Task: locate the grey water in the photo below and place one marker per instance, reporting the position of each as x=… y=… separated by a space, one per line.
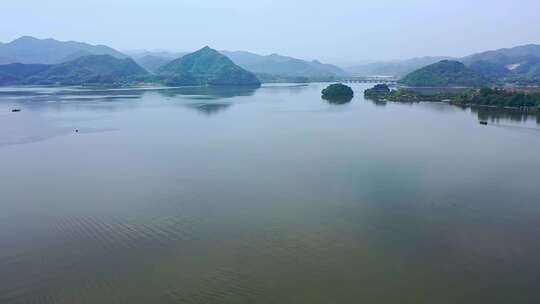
x=269 y=195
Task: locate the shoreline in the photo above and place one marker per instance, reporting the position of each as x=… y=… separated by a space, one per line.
x=489 y=98
x=524 y=110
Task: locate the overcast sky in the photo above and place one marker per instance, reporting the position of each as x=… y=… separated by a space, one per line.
x=332 y=30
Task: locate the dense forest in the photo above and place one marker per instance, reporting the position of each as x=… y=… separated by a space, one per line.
x=92 y=69
x=445 y=73
x=495 y=97
x=499 y=97
x=206 y=67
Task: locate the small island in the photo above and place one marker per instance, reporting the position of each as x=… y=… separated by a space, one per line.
x=338 y=93
x=337 y=90
x=379 y=91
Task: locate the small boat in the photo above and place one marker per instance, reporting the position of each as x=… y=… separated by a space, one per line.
x=483 y=122
x=16 y=110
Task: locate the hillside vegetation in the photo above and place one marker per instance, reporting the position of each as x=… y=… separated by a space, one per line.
x=206 y=67
x=445 y=73
x=94 y=69
x=491 y=97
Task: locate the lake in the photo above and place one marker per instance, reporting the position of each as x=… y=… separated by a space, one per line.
x=269 y=195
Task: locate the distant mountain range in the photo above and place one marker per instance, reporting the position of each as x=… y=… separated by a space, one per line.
x=153 y=60
x=50 y=51
x=152 y=63
x=519 y=65
x=268 y=67
x=136 y=54
x=30 y=50
x=203 y=67
x=284 y=66
x=505 y=56
x=396 y=68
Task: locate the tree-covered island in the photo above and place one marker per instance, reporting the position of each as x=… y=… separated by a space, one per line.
x=492 y=97
x=338 y=93
x=338 y=90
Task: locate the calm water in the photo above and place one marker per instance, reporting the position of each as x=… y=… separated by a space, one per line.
x=263 y=196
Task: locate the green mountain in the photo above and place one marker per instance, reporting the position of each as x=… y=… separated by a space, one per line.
x=50 y=51
x=515 y=64
x=507 y=64
x=206 y=67
x=507 y=56
x=283 y=66
x=445 y=73
x=94 y=69
x=490 y=70
x=526 y=71
x=16 y=73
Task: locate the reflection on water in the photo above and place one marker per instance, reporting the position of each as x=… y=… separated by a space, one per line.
x=270 y=196
x=62 y=94
x=378 y=102
x=206 y=100
x=492 y=114
x=496 y=115
x=209 y=108
x=338 y=100
x=291 y=89
x=209 y=92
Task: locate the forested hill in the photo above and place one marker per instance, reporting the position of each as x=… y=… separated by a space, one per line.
x=206 y=67
x=94 y=69
x=445 y=73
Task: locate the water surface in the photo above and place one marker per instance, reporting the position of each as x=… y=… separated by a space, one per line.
x=270 y=195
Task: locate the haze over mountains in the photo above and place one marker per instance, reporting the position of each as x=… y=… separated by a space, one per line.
x=396 y=68
x=520 y=61
x=153 y=60
x=50 y=51
x=275 y=64
x=203 y=67
x=517 y=64
x=506 y=55
x=28 y=49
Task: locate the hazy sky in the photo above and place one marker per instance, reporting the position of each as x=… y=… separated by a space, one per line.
x=333 y=30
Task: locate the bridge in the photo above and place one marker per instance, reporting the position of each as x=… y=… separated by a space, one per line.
x=371 y=79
